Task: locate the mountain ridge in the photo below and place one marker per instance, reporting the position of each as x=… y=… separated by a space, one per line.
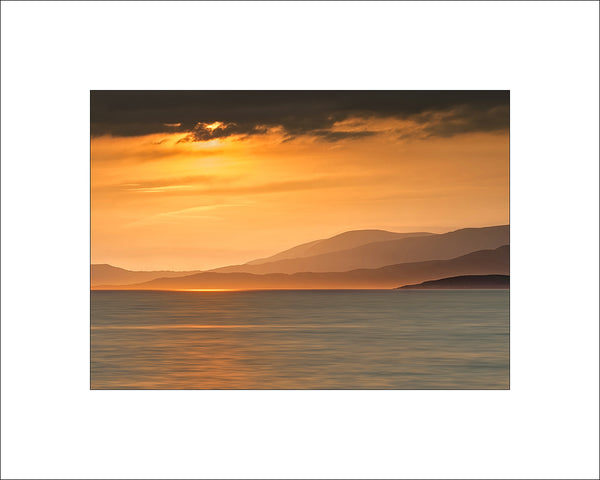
x=341 y=241
x=102 y=272
x=377 y=254
x=495 y=261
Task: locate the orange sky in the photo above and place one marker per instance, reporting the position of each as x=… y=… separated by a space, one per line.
x=160 y=204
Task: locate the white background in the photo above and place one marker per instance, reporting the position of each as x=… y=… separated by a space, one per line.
x=546 y=426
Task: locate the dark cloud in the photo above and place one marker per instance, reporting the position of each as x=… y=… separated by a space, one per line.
x=330 y=136
x=443 y=113
x=468 y=119
x=203 y=131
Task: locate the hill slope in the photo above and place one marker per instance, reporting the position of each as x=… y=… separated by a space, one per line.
x=103 y=274
x=343 y=241
x=377 y=254
x=476 y=263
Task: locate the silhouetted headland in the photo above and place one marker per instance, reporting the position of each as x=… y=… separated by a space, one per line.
x=463 y=282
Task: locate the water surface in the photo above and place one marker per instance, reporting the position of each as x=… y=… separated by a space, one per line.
x=300 y=339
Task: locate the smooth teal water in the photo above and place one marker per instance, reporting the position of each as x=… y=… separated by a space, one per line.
x=300 y=339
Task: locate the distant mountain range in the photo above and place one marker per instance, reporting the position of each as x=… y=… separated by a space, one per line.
x=355 y=259
x=380 y=253
x=343 y=241
x=475 y=263
x=463 y=282
x=104 y=274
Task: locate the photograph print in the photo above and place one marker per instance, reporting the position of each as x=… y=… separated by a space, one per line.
x=301 y=240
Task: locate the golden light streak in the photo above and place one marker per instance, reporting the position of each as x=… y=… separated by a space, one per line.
x=205 y=290
x=213 y=126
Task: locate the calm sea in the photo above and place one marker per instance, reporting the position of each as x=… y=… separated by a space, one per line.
x=300 y=339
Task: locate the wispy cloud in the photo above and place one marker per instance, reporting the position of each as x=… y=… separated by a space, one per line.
x=166 y=188
x=195 y=212
x=233 y=185
x=161 y=185
x=188 y=212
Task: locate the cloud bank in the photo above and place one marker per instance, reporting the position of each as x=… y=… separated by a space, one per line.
x=208 y=115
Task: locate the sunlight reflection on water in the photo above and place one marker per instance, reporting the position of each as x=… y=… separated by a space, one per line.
x=342 y=339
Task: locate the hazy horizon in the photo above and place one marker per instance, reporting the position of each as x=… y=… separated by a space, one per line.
x=283 y=249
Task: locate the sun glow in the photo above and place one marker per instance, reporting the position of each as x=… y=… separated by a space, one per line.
x=213 y=126
x=205 y=290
